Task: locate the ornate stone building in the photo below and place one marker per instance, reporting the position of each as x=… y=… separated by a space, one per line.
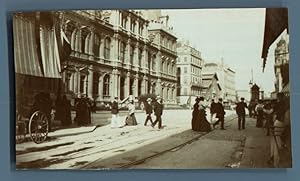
x=117 y=53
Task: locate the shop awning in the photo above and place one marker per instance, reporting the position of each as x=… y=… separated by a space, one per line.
x=276 y=21
x=35 y=48
x=25 y=47
x=49 y=52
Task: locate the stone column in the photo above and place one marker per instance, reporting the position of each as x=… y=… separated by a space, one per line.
x=128 y=51
x=174 y=94
x=145 y=59
x=76 y=81
x=113 y=48
x=90 y=77
x=71 y=87
x=136 y=53
x=91 y=42
x=143 y=86
x=78 y=40
x=158 y=62
x=136 y=86
x=115 y=83
x=100 y=87
x=128 y=22
x=158 y=87
x=127 y=85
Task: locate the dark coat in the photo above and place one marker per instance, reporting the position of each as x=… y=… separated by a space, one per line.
x=220 y=110
x=213 y=107
x=114 y=108
x=240 y=108
x=148 y=108
x=158 y=109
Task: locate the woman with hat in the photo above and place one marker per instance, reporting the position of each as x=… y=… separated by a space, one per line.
x=195 y=116
x=130 y=119
x=199 y=116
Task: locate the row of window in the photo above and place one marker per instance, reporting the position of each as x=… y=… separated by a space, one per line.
x=133 y=25
x=168 y=43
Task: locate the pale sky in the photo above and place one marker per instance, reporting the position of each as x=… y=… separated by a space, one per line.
x=234 y=34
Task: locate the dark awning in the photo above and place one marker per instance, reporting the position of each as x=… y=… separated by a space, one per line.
x=276 y=22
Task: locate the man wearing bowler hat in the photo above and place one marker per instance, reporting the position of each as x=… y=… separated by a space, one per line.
x=158 y=110
x=240 y=111
x=148 y=109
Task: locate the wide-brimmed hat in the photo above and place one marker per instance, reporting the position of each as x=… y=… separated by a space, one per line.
x=158 y=97
x=149 y=99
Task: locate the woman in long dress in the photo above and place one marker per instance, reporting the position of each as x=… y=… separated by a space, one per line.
x=195 y=118
x=130 y=119
x=204 y=124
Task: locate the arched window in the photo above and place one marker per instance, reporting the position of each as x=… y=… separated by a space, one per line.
x=107 y=48
x=106 y=82
x=122 y=51
x=96 y=45
x=96 y=83
x=84 y=34
x=131 y=54
x=140 y=56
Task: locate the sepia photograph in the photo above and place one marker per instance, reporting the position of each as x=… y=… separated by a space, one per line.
x=152 y=89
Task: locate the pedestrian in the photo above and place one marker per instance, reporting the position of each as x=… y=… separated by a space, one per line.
x=269 y=116
x=212 y=110
x=241 y=112
x=204 y=125
x=115 y=113
x=260 y=114
x=280 y=140
x=158 y=110
x=131 y=119
x=148 y=110
x=220 y=114
x=66 y=116
x=195 y=116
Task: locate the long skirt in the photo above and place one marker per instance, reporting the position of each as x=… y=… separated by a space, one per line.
x=131 y=120
x=115 y=121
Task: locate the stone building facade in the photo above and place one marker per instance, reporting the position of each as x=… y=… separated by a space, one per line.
x=116 y=53
x=189 y=68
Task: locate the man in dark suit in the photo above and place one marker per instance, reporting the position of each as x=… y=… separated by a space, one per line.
x=148 y=109
x=219 y=108
x=240 y=111
x=158 y=110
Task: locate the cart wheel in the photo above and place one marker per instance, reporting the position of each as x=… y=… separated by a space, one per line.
x=38 y=127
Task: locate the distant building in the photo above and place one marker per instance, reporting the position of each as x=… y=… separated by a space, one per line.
x=189 y=67
x=226 y=77
x=211 y=89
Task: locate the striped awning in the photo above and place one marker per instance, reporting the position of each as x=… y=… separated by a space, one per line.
x=49 y=52
x=30 y=43
x=25 y=47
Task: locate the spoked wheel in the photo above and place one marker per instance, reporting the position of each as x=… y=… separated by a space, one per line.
x=38 y=127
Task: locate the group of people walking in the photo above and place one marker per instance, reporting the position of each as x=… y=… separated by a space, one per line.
x=150 y=107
